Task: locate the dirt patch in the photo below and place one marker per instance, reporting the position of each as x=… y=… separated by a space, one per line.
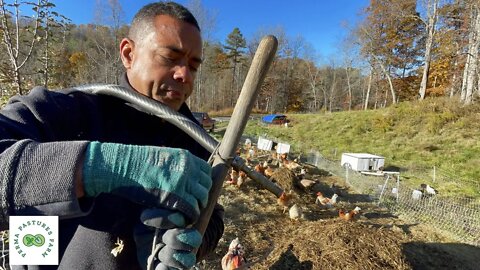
x=321 y=240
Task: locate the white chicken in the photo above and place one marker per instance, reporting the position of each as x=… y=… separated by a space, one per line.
x=251 y=153
x=234 y=259
x=265 y=164
x=428 y=191
x=248 y=143
x=416 y=194
x=295 y=212
x=328 y=202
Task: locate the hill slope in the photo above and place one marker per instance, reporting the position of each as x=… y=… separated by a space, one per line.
x=412 y=136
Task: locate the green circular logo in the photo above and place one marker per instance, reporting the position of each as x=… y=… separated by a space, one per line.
x=33 y=240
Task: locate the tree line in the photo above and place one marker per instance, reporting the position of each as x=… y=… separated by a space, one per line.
x=400 y=50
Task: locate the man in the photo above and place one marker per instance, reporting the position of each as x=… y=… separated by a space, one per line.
x=112 y=173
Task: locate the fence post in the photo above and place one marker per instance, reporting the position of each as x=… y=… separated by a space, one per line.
x=346 y=175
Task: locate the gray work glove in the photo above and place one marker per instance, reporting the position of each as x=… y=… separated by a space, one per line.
x=175 y=247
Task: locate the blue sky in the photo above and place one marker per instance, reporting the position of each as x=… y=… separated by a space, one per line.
x=318 y=21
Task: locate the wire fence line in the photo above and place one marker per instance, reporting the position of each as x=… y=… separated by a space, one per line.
x=441 y=176
x=458 y=215
x=433 y=174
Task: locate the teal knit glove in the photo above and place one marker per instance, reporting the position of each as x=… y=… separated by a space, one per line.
x=171 y=178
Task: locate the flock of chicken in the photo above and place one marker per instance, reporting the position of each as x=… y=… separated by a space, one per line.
x=234 y=259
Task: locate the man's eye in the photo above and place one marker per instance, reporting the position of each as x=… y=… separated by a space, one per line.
x=193 y=68
x=167 y=59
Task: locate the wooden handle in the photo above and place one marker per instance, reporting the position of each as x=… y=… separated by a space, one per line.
x=256 y=74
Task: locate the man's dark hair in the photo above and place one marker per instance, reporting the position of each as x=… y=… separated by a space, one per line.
x=143 y=20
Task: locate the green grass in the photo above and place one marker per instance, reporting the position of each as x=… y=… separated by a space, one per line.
x=414 y=136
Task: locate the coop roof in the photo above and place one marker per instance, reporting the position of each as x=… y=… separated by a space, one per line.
x=363 y=155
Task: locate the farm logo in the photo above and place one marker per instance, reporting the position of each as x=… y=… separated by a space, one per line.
x=33 y=240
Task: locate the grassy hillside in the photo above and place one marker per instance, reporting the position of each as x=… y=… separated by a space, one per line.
x=413 y=136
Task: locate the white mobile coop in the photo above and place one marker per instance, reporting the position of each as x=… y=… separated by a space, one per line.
x=362 y=162
x=268 y=145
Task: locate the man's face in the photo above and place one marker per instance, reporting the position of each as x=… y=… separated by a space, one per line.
x=162 y=65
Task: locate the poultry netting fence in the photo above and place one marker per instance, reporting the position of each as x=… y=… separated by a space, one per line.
x=459 y=216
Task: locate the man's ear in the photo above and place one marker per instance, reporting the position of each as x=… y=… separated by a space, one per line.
x=126 y=52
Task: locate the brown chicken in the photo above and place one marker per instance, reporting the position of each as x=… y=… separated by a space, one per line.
x=291 y=165
x=233 y=177
x=325 y=201
x=259 y=168
x=242 y=177
x=349 y=216
x=285 y=200
x=283 y=156
x=268 y=171
x=274 y=155
x=234 y=259
x=251 y=153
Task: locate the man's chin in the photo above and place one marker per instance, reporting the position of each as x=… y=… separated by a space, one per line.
x=173 y=104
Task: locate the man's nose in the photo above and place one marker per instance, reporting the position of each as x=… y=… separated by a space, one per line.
x=183 y=73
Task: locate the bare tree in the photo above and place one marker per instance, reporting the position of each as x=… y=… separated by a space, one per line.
x=291 y=53
x=349 y=87
x=53 y=20
x=431 y=7
x=270 y=95
x=109 y=17
x=470 y=73
x=207 y=20
x=14 y=34
x=370 y=40
x=369 y=87
x=350 y=54
x=332 y=85
x=313 y=78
